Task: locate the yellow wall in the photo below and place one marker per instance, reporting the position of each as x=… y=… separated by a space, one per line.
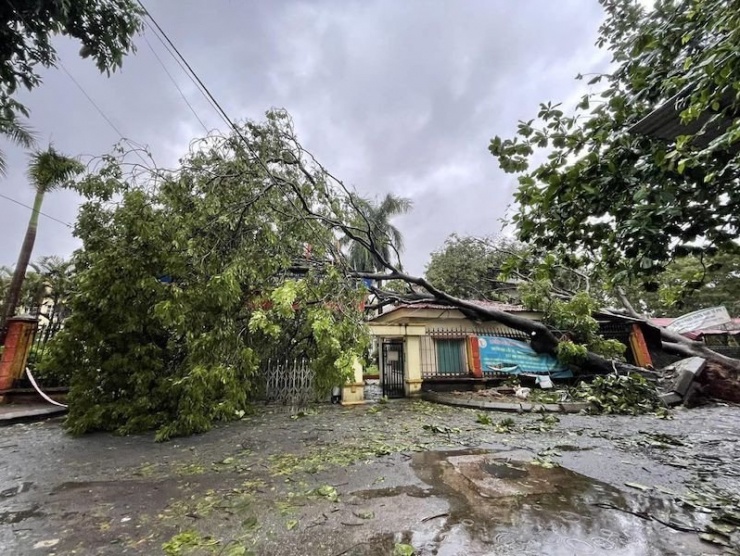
x=412 y=382
x=353 y=392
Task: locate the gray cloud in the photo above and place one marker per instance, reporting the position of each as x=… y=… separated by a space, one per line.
x=392 y=96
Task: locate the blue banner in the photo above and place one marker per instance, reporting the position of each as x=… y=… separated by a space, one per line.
x=504 y=355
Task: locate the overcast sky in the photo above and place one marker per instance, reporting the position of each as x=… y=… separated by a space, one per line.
x=391 y=96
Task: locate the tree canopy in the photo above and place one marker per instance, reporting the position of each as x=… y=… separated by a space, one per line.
x=473 y=268
x=691 y=283
x=634 y=201
x=27 y=27
x=189 y=280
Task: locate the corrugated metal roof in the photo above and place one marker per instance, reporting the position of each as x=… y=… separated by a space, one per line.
x=492 y=305
x=665 y=122
x=662 y=321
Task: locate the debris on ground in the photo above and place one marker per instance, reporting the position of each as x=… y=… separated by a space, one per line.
x=683 y=379
x=720 y=383
x=346 y=481
x=630 y=394
x=522 y=393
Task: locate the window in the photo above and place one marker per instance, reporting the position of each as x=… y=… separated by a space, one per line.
x=451 y=357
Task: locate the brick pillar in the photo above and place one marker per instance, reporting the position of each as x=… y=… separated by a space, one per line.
x=18 y=342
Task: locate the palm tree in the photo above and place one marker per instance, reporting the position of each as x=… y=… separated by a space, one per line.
x=47 y=170
x=33 y=290
x=58 y=275
x=373 y=221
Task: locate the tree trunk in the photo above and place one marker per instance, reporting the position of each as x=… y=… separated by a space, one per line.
x=681 y=345
x=19 y=274
x=541 y=338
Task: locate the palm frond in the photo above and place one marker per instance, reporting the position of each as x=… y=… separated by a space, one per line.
x=373 y=218
x=48 y=169
x=396 y=237
x=18 y=133
x=392 y=205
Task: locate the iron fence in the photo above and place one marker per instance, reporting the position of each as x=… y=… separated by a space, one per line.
x=289 y=383
x=47 y=327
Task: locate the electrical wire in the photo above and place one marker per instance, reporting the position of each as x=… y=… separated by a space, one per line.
x=90 y=100
x=113 y=126
x=194 y=76
x=174 y=82
x=32 y=210
x=85 y=93
x=178 y=58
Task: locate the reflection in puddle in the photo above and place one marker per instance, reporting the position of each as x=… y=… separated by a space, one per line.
x=502 y=507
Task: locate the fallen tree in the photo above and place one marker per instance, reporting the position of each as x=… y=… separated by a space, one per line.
x=643 y=171
x=345 y=217
x=678 y=344
x=194 y=277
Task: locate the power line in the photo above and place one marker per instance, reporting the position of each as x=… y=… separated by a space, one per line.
x=84 y=92
x=179 y=60
x=179 y=90
x=34 y=210
x=204 y=89
x=103 y=114
x=90 y=99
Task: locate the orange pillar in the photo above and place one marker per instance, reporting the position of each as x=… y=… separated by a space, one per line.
x=474 y=365
x=639 y=347
x=18 y=342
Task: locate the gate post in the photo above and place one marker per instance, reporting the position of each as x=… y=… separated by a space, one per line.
x=353 y=393
x=18 y=342
x=412 y=372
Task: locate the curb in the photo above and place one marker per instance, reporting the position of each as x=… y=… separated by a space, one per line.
x=24 y=414
x=523 y=407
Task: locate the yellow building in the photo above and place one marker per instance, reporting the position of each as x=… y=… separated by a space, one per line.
x=418 y=342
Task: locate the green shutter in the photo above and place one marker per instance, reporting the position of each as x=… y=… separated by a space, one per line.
x=450 y=360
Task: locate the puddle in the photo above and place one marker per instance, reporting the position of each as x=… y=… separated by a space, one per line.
x=504 y=470
x=408 y=490
x=502 y=507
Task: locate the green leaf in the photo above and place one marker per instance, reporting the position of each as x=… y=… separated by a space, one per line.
x=401 y=549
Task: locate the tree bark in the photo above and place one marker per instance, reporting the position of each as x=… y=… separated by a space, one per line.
x=19 y=274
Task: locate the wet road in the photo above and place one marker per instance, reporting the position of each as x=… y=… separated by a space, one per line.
x=368 y=480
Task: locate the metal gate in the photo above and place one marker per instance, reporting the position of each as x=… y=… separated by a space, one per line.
x=393 y=365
